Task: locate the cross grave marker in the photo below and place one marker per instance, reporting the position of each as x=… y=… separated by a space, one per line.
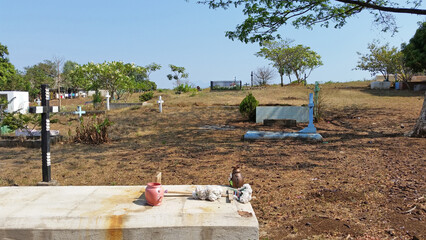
x=44 y=110
x=310 y=128
x=79 y=112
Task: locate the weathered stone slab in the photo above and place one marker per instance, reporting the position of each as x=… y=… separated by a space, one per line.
x=300 y=114
x=119 y=212
x=380 y=85
x=264 y=135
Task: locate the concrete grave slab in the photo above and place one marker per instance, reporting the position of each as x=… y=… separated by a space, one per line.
x=265 y=135
x=300 y=114
x=380 y=85
x=119 y=212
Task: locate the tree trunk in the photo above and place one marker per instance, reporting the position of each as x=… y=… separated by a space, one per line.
x=420 y=128
x=282 y=81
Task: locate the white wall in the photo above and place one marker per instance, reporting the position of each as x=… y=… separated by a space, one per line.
x=21 y=101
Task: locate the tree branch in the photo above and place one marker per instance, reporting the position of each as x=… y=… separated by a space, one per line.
x=385 y=9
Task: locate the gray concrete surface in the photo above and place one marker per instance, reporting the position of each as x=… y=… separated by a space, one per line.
x=300 y=114
x=119 y=212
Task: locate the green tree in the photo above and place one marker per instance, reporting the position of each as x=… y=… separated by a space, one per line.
x=7 y=70
x=68 y=80
x=265 y=17
x=116 y=77
x=415 y=51
x=380 y=59
x=415 y=58
x=150 y=68
x=41 y=73
x=290 y=60
x=178 y=74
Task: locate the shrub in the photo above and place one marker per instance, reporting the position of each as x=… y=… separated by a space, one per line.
x=146 y=96
x=248 y=107
x=184 y=88
x=97 y=100
x=97 y=97
x=94 y=131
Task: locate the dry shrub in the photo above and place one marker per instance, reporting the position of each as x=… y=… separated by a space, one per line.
x=95 y=131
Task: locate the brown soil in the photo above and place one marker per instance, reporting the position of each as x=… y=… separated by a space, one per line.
x=365 y=181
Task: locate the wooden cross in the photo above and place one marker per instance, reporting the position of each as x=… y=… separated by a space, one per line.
x=44 y=110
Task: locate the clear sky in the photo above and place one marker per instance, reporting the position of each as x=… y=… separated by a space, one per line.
x=174 y=32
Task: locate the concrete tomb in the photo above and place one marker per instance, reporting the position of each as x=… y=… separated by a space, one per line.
x=308 y=133
x=119 y=212
x=380 y=85
x=19 y=101
x=300 y=114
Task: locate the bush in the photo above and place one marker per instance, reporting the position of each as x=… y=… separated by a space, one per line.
x=248 y=107
x=146 y=96
x=97 y=98
x=184 y=88
x=94 y=131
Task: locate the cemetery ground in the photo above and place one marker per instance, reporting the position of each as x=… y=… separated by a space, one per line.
x=365 y=181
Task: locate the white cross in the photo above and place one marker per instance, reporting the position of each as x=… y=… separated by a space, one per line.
x=160 y=104
x=79 y=112
x=107 y=97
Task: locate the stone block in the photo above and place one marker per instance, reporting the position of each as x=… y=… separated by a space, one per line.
x=300 y=114
x=380 y=85
x=419 y=87
x=119 y=212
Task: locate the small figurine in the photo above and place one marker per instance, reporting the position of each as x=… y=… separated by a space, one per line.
x=237 y=179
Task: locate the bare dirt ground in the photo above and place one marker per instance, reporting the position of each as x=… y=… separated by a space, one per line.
x=365 y=181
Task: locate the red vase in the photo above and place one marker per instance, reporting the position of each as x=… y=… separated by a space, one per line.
x=154 y=194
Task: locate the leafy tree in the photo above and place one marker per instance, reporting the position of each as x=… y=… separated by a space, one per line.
x=381 y=59
x=116 y=77
x=415 y=50
x=415 y=58
x=7 y=70
x=178 y=74
x=41 y=73
x=68 y=78
x=265 y=17
x=150 y=68
x=290 y=60
x=263 y=75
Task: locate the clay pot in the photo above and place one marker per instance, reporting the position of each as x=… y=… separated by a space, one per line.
x=237 y=178
x=154 y=194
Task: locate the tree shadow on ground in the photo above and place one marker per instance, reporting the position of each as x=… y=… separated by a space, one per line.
x=393 y=93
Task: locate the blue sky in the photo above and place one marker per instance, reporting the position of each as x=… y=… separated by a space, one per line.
x=174 y=32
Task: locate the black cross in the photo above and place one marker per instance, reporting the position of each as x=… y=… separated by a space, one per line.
x=45 y=109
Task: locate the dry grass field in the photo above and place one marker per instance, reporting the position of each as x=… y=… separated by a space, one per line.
x=365 y=181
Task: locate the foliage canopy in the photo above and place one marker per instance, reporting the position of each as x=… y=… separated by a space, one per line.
x=380 y=59
x=265 y=17
x=290 y=60
x=415 y=50
x=178 y=73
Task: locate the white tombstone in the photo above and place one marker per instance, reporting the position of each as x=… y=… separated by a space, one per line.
x=19 y=101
